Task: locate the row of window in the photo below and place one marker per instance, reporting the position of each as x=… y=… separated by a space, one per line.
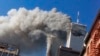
x=6 y=54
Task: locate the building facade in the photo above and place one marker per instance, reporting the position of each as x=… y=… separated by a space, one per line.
x=91 y=45
x=63 y=51
x=8 y=50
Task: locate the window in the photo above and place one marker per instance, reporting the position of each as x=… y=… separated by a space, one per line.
x=5 y=54
x=98 y=50
x=0 y=53
x=11 y=55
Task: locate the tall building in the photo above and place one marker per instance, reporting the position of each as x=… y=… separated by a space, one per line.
x=91 y=45
x=8 y=50
x=76 y=36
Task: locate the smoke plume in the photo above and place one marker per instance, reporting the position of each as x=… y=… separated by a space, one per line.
x=29 y=28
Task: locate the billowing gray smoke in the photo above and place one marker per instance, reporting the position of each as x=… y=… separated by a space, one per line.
x=28 y=29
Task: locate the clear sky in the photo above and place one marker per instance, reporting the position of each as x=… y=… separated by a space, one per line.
x=88 y=8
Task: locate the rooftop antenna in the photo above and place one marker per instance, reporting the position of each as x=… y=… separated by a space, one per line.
x=78 y=17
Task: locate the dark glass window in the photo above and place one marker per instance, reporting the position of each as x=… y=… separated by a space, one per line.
x=10 y=55
x=5 y=54
x=0 y=53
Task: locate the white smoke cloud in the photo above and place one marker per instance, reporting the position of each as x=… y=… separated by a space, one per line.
x=24 y=27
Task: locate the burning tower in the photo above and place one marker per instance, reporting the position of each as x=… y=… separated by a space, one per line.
x=76 y=34
x=75 y=37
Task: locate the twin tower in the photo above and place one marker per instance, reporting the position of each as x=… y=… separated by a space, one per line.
x=75 y=35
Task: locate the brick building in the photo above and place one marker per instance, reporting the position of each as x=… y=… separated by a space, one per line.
x=91 y=45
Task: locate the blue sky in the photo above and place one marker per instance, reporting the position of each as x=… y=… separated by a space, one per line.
x=88 y=8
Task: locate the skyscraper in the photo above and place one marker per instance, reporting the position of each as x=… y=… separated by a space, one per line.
x=75 y=35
